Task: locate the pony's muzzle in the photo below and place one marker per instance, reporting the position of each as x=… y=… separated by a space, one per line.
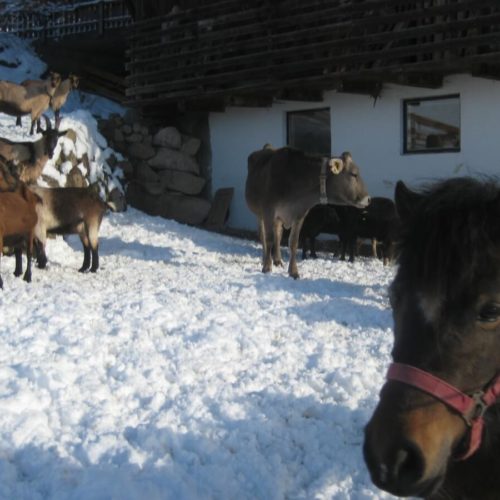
x=397 y=467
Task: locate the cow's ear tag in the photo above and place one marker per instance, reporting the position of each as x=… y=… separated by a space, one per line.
x=336 y=165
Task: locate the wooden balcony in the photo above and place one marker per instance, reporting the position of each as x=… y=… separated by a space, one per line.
x=228 y=51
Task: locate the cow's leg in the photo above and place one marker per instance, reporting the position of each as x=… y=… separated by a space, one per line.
x=278 y=233
x=293 y=243
x=267 y=244
x=18 y=252
x=262 y=238
x=18 y=122
x=374 y=247
x=58 y=119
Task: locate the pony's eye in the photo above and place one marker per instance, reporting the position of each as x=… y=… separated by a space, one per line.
x=489 y=314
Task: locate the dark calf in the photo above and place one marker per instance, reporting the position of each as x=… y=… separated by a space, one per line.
x=320 y=219
x=378 y=222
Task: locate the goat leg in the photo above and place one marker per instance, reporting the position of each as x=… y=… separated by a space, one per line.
x=41 y=256
x=29 y=251
x=95 y=260
x=19 y=261
x=19 y=122
x=86 y=259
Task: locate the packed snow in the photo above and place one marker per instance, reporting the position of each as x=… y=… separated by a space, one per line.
x=180 y=371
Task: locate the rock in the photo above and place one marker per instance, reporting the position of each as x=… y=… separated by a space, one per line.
x=139 y=198
x=174 y=160
x=127 y=168
x=141 y=151
x=154 y=188
x=135 y=137
x=136 y=127
x=126 y=129
x=190 y=145
x=145 y=173
x=182 y=181
x=185 y=209
x=50 y=181
x=118 y=135
x=112 y=160
x=85 y=161
x=168 y=137
x=71 y=135
x=75 y=178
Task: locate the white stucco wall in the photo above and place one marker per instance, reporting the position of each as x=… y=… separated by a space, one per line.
x=372 y=131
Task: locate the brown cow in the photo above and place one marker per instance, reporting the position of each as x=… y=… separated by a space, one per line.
x=284 y=184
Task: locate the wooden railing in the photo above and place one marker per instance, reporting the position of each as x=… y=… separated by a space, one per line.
x=95 y=17
x=228 y=47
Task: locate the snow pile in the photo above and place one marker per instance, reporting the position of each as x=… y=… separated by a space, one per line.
x=179 y=371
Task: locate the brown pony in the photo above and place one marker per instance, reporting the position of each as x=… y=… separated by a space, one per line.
x=436 y=430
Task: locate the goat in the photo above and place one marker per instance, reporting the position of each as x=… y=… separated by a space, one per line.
x=61 y=94
x=33 y=99
x=70 y=211
x=29 y=158
x=18 y=218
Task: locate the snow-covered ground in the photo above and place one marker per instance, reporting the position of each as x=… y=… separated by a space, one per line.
x=180 y=371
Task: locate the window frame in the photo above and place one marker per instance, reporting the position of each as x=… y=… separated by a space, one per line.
x=411 y=100
x=308 y=110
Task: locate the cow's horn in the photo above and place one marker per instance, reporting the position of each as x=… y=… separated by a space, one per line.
x=336 y=165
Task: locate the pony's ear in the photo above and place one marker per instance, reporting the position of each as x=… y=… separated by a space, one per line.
x=406 y=200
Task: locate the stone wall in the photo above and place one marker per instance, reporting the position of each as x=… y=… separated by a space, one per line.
x=161 y=167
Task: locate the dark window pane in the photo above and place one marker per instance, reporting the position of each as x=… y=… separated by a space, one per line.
x=432 y=124
x=309 y=131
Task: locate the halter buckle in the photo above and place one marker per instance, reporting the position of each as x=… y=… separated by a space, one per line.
x=478 y=408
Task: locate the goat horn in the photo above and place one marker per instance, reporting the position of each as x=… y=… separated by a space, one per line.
x=48 y=125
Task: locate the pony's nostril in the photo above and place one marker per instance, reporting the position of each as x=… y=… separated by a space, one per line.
x=407 y=466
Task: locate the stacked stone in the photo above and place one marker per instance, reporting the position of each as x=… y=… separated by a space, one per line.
x=163 y=173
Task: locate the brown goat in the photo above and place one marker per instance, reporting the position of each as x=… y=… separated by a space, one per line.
x=33 y=98
x=61 y=94
x=18 y=218
x=70 y=211
x=30 y=158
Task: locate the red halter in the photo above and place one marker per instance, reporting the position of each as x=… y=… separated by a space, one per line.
x=471 y=408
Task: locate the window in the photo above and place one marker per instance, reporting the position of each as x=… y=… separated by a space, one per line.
x=431 y=125
x=309 y=131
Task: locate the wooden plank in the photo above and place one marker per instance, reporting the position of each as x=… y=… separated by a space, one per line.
x=219 y=211
x=313 y=63
x=328 y=81
x=304 y=48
